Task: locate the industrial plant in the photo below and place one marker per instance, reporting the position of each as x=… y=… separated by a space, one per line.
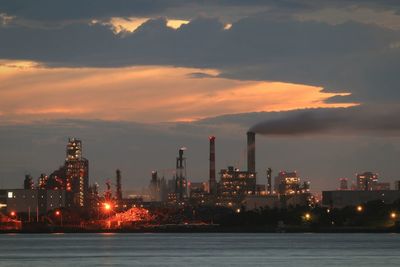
x=65 y=198
x=236 y=189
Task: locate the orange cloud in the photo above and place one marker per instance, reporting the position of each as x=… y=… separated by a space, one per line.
x=176 y=23
x=126 y=24
x=51 y=111
x=143 y=94
x=131 y=24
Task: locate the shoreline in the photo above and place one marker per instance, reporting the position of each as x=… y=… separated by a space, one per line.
x=185 y=229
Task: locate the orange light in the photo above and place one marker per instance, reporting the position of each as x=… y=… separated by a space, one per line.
x=58 y=213
x=107 y=206
x=307 y=216
x=12 y=213
x=359 y=208
x=393 y=215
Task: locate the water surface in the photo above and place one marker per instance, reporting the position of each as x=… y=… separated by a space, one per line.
x=199 y=250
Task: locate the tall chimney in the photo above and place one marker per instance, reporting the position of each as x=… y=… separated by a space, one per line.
x=213 y=182
x=251 y=152
x=180 y=182
x=269 y=181
x=119 y=187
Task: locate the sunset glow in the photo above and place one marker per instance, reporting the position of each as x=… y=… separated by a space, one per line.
x=176 y=23
x=131 y=24
x=142 y=94
x=127 y=24
x=243 y=118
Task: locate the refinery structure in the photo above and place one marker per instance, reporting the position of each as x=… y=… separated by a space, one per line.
x=234 y=189
x=67 y=197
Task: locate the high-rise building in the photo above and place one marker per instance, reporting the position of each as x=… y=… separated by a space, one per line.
x=28 y=182
x=42 y=181
x=367 y=181
x=74 y=149
x=287 y=183
x=77 y=173
x=234 y=185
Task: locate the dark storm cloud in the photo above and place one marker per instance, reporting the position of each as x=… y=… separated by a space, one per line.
x=349 y=121
x=59 y=10
x=350 y=57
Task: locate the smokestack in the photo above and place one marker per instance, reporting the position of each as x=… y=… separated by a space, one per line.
x=180 y=182
x=119 y=187
x=269 y=181
x=213 y=183
x=251 y=152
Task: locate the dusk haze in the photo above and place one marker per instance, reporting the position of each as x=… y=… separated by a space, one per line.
x=199 y=133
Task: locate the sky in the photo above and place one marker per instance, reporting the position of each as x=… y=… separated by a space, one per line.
x=135 y=80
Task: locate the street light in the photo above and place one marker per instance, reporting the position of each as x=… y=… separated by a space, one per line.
x=108 y=210
x=393 y=215
x=360 y=208
x=58 y=213
x=307 y=216
x=107 y=206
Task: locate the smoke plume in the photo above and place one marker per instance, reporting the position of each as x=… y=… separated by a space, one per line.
x=338 y=121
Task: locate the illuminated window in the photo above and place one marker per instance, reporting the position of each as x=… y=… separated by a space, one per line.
x=10 y=194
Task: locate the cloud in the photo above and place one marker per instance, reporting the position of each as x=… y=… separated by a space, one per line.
x=176 y=23
x=386 y=18
x=125 y=24
x=59 y=10
x=352 y=57
x=73 y=10
x=129 y=25
x=142 y=94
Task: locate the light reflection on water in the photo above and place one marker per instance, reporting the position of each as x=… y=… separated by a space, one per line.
x=199 y=250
